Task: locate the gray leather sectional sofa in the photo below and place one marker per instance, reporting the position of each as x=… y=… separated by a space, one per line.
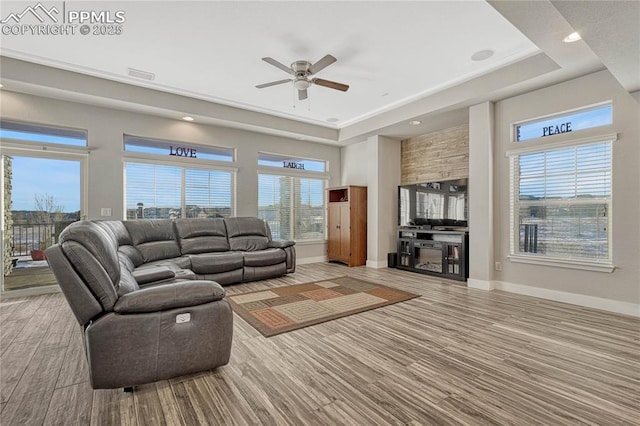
x=148 y=293
x=227 y=251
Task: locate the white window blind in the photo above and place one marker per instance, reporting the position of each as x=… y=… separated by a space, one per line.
x=155 y=191
x=208 y=193
x=293 y=206
x=561 y=202
x=308 y=209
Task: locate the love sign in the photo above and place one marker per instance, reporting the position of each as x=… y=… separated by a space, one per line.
x=181 y=151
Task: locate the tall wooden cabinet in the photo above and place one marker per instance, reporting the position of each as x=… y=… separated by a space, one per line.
x=347 y=223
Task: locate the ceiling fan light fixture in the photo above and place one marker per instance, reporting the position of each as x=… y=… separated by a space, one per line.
x=301 y=72
x=301 y=83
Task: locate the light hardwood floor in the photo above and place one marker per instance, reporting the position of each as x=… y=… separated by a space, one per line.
x=452 y=356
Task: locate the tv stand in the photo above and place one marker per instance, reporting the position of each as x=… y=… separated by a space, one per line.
x=434 y=252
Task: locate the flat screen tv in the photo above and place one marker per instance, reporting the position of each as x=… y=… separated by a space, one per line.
x=428 y=204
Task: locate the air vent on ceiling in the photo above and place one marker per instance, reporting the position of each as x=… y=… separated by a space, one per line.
x=141 y=74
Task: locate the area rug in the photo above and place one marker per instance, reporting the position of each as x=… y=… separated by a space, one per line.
x=282 y=309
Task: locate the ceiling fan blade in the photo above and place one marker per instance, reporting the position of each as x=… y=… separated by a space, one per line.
x=322 y=64
x=277 y=64
x=330 y=84
x=302 y=94
x=273 y=83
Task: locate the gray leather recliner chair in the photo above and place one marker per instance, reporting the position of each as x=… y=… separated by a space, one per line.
x=137 y=334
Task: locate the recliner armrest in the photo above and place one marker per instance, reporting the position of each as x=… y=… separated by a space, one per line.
x=280 y=243
x=148 y=275
x=169 y=296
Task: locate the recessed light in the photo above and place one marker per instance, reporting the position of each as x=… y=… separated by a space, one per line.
x=187 y=118
x=1 y=85
x=571 y=38
x=415 y=122
x=482 y=55
x=332 y=120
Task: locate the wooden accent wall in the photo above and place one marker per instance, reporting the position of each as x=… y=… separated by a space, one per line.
x=436 y=156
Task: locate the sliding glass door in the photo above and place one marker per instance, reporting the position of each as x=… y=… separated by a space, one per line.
x=41 y=195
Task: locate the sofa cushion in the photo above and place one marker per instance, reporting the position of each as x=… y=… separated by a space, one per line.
x=154 y=238
x=264 y=257
x=213 y=263
x=127 y=282
x=254 y=273
x=132 y=253
x=91 y=250
x=224 y=278
x=118 y=229
x=169 y=296
x=202 y=235
x=176 y=263
x=247 y=233
x=122 y=238
x=154 y=274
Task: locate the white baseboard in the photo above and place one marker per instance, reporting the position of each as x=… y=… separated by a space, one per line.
x=610 y=305
x=32 y=291
x=376 y=265
x=305 y=260
x=479 y=284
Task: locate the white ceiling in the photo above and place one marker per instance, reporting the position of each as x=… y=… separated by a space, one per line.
x=388 y=52
x=402 y=60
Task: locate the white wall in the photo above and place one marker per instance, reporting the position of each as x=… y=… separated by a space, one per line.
x=105 y=166
x=620 y=290
x=375 y=163
x=480 y=251
x=354 y=164
x=389 y=152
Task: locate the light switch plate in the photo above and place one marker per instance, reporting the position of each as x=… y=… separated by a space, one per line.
x=182 y=318
x=105 y=211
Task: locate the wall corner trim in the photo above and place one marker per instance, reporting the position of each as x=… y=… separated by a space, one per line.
x=376 y=264
x=480 y=284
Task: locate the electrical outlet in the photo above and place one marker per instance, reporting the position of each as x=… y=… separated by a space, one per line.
x=105 y=211
x=498 y=266
x=182 y=318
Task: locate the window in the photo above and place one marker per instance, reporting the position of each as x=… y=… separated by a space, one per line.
x=34 y=133
x=293 y=206
x=561 y=202
x=155 y=191
x=176 y=149
x=190 y=186
x=291 y=196
x=586 y=118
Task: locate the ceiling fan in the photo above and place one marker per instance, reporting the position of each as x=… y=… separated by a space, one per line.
x=302 y=72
